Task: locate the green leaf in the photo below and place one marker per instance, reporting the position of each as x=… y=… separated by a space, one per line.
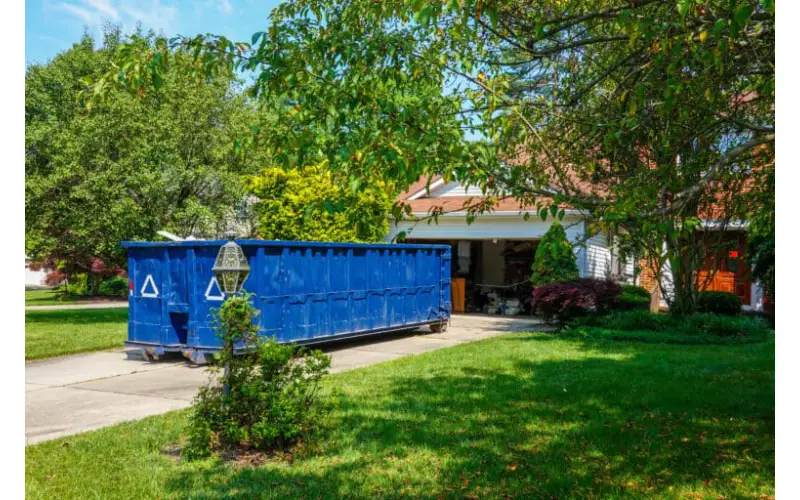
x=256 y=36
x=157 y=80
x=683 y=7
x=742 y=14
x=354 y=185
x=424 y=15
x=719 y=26
x=491 y=11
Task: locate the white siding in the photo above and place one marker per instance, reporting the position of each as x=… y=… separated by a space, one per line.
x=598 y=257
x=756 y=298
x=626 y=274
x=34 y=278
x=455 y=188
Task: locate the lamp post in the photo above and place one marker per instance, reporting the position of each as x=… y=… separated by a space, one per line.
x=231 y=269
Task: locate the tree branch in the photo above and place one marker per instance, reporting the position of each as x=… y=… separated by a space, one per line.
x=687 y=195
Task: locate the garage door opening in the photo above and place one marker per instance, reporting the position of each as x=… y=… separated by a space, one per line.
x=490 y=276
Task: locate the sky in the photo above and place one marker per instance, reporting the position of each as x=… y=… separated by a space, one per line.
x=52 y=26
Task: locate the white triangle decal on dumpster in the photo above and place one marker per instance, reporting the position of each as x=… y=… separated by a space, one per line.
x=211 y=285
x=152 y=294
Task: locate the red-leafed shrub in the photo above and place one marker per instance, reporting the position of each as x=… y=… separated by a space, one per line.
x=97 y=266
x=575 y=298
x=54 y=278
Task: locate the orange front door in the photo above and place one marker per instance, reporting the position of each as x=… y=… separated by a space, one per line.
x=726 y=269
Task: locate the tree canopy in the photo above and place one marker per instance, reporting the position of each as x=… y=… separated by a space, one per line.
x=132 y=165
x=647 y=115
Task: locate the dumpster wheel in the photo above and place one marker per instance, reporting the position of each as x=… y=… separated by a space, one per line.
x=439 y=327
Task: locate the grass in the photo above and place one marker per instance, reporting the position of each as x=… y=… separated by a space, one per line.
x=55 y=333
x=52 y=298
x=46 y=298
x=527 y=416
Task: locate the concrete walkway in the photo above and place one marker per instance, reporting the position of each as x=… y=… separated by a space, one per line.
x=73 y=394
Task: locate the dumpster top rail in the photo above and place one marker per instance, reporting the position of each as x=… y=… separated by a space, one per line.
x=278 y=243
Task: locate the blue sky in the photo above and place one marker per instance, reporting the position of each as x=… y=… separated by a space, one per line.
x=52 y=26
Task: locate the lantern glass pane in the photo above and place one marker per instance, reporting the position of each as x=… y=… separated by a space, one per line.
x=231 y=268
x=230 y=278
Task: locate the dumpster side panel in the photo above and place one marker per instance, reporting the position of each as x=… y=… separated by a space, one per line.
x=425 y=264
x=266 y=282
x=175 y=318
x=359 y=284
x=145 y=317
x=378 y=263
x=339 y=297
x=444 y=284
x=208 y=296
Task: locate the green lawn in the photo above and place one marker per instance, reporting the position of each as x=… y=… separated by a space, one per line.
x=45 y=298
x=55 y=333
x=527 y=416
x=51 y=298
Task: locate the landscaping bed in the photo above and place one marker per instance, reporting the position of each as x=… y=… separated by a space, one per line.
x=59 y=332
x=528 y=416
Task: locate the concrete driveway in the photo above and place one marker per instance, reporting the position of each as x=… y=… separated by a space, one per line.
x=73 y=394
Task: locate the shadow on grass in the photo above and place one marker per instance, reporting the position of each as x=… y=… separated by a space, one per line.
x=78 y=316
x=610 y=420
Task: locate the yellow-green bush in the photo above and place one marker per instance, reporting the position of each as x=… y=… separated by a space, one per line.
x=309 y=204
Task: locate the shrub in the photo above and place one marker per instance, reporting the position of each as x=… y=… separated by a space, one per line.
x=575 y=298
x=725 y=303
x=637 y=291
x=632 y=298
x=554 y=261
x=54 y=278
x=651 y=337
x=752 y=327
x=114 y=287
x=264 y=401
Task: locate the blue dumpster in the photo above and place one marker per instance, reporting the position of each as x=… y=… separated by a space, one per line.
x=306 y=292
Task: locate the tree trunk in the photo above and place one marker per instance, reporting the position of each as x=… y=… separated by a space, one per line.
x=655 y=300
x=684 y=264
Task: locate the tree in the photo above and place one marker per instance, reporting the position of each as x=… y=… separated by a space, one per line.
x=131 y=165
x=761 y=235
x=645 y=115
x=308 y=204
x=554 y=261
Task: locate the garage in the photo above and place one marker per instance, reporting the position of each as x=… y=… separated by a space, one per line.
x=490 y=276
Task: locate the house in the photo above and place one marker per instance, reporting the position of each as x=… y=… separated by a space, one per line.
x=34 y=278
x=493 y=254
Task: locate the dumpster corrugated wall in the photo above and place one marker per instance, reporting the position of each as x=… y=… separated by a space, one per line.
x=306 y=292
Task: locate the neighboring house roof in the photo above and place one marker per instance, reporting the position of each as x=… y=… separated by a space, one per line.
x=419 y=187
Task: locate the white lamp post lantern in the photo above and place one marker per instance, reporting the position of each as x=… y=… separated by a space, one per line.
x=231 y=267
